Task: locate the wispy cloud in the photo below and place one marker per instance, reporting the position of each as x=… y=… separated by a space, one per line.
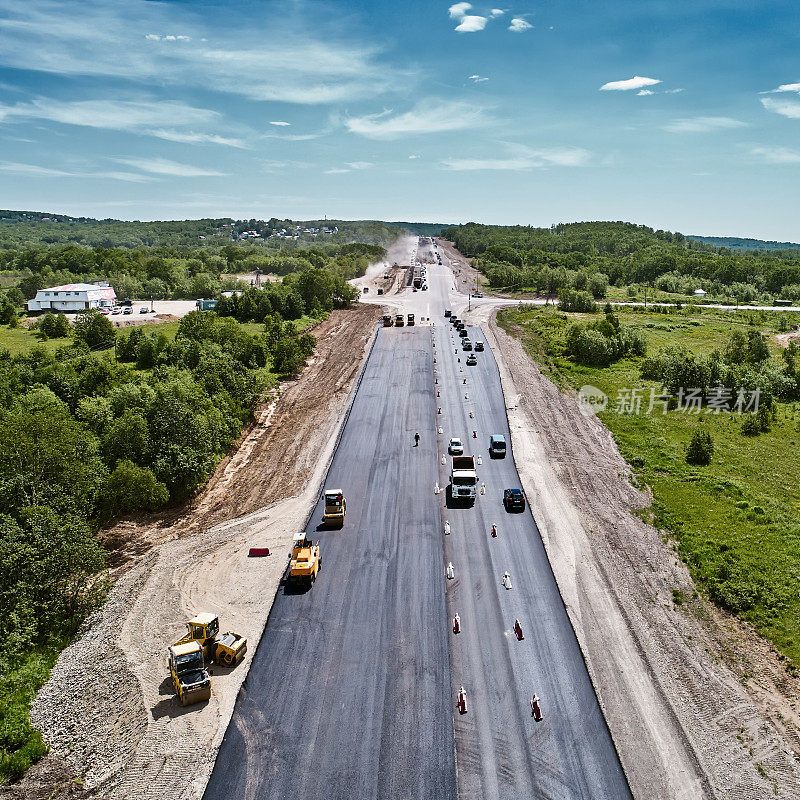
x=645 y=92
x=289 y=60
x=350 y=166
x=458 y=10
x=776 y=155
x=636 y=82
x=674 y=91
x=519 y=25
x=786 y=87
x=414 y=155
x=786 y=108
x=280 y=123
x=703 y=124
x=169 y=37
x=427 y=117
x=521 y=158
x=477 y=79
x=497 y=12
x=163 y=166
x=36 y=171
x=161 y=119
x=471 y=23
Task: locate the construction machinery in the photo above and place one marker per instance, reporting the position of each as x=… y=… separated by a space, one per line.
x=228 y=648
x=335 y=508
x=387 y=321
x=306 y=561
x=399 y=321
x=189 y=675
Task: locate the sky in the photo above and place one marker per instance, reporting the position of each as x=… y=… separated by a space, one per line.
x=675 y=114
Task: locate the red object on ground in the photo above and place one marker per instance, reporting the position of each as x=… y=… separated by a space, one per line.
x=535 y=710
x=456 y=624
x=474 y=434
x=462 y=701
x=518 y=630
x=259 y=551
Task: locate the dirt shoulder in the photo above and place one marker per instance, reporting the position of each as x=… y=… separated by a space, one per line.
x=698 y=704
x=108 y=712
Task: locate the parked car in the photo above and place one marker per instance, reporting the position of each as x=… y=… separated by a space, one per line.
x=116 y=310
x=477 y=294
x=455 y=448
x=471 y=360
x=479 y=347
x=144 y=310
x=128 y=310
x=514 y=500
x=105 y=311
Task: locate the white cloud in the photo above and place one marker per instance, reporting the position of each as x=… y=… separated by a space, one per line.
x=703 y=124
x=35 y=171
x=776 y=155
x=280 y=123
x=471 y=24
x=161 y=119
x=674 y=91
x=786 y=108
x=336 y=171
x=645 y=92
x=497 y=12
x=295 y=59
x=163 y=166
x=636 y=82
x=414 y=155
x=458 y=10
x=477 y=79
x=170 y=37
x=523 y=158
x=518 y=25
x=787 y=87
x=427 y=117
x=360 y=164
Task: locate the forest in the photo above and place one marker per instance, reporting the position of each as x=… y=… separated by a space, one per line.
x=593 y=256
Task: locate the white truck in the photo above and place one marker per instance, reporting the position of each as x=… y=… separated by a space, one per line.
x=463 y=478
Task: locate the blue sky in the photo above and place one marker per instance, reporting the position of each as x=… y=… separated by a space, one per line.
x=680 y=115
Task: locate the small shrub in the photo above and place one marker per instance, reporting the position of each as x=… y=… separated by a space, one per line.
x=751 y=426
x=701 y=448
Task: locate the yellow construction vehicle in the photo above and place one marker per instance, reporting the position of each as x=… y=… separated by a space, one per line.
x=306 y=561
x=189 y=675
x=228 y=648
x=335 y=508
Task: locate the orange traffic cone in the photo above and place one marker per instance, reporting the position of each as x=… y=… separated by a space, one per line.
x=456 y=624
x=462 y=701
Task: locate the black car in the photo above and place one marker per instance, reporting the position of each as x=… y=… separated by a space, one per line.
x=463 y=332
x=466 y=344
x=514 y=500
x=472 y=361
x=447 y=312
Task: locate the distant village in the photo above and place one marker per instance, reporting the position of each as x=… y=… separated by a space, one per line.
x=291 y=232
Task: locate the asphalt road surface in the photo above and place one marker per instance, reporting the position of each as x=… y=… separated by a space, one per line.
x=352 y=692
x=348 y=695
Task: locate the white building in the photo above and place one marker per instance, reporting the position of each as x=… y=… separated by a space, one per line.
x=73 y=297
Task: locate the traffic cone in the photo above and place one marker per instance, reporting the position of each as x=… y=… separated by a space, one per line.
x=480 y=460
x=465 y=381
x=444 y=460
x=456 y=624
x=494 y=531
x=474 y=434
x=450 y=572
x=483 y=488
x=440 y=409
x=466 y=395
x=446 y=527
x=518 y=630
x=462 y=701
x=536 y=711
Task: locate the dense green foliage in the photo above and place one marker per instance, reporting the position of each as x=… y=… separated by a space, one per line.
x=600 y=342
x=589 y=256
x=733 y=520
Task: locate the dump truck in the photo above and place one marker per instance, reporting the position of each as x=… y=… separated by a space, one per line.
x=228 y=648
x=187 y=668
x=463 y=478
x=306 y=561
x=399 y=321
x=411 y=320
x=387 y=321
x=335 y=508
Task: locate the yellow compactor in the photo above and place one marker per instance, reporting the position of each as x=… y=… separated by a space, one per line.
x=335 y=508
x=227 y=648
x=306 y=561
x=190 y=678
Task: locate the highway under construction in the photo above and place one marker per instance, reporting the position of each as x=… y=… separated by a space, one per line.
x=365 y=685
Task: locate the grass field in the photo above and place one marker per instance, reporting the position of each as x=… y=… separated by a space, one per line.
x=736 y=521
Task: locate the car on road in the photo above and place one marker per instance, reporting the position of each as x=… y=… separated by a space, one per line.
x=466 y=345
x=144 y=310
x=116 y=310
x=456 y=447
x=463 y=333
x=514 y=500
x=479 y=347
x=497 y=445
x=105 y=311
x=472 y=361
x=447 y=312
x=477 y=294
x=128 y=310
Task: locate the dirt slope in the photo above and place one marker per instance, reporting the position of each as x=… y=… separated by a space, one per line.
x=672 y=680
